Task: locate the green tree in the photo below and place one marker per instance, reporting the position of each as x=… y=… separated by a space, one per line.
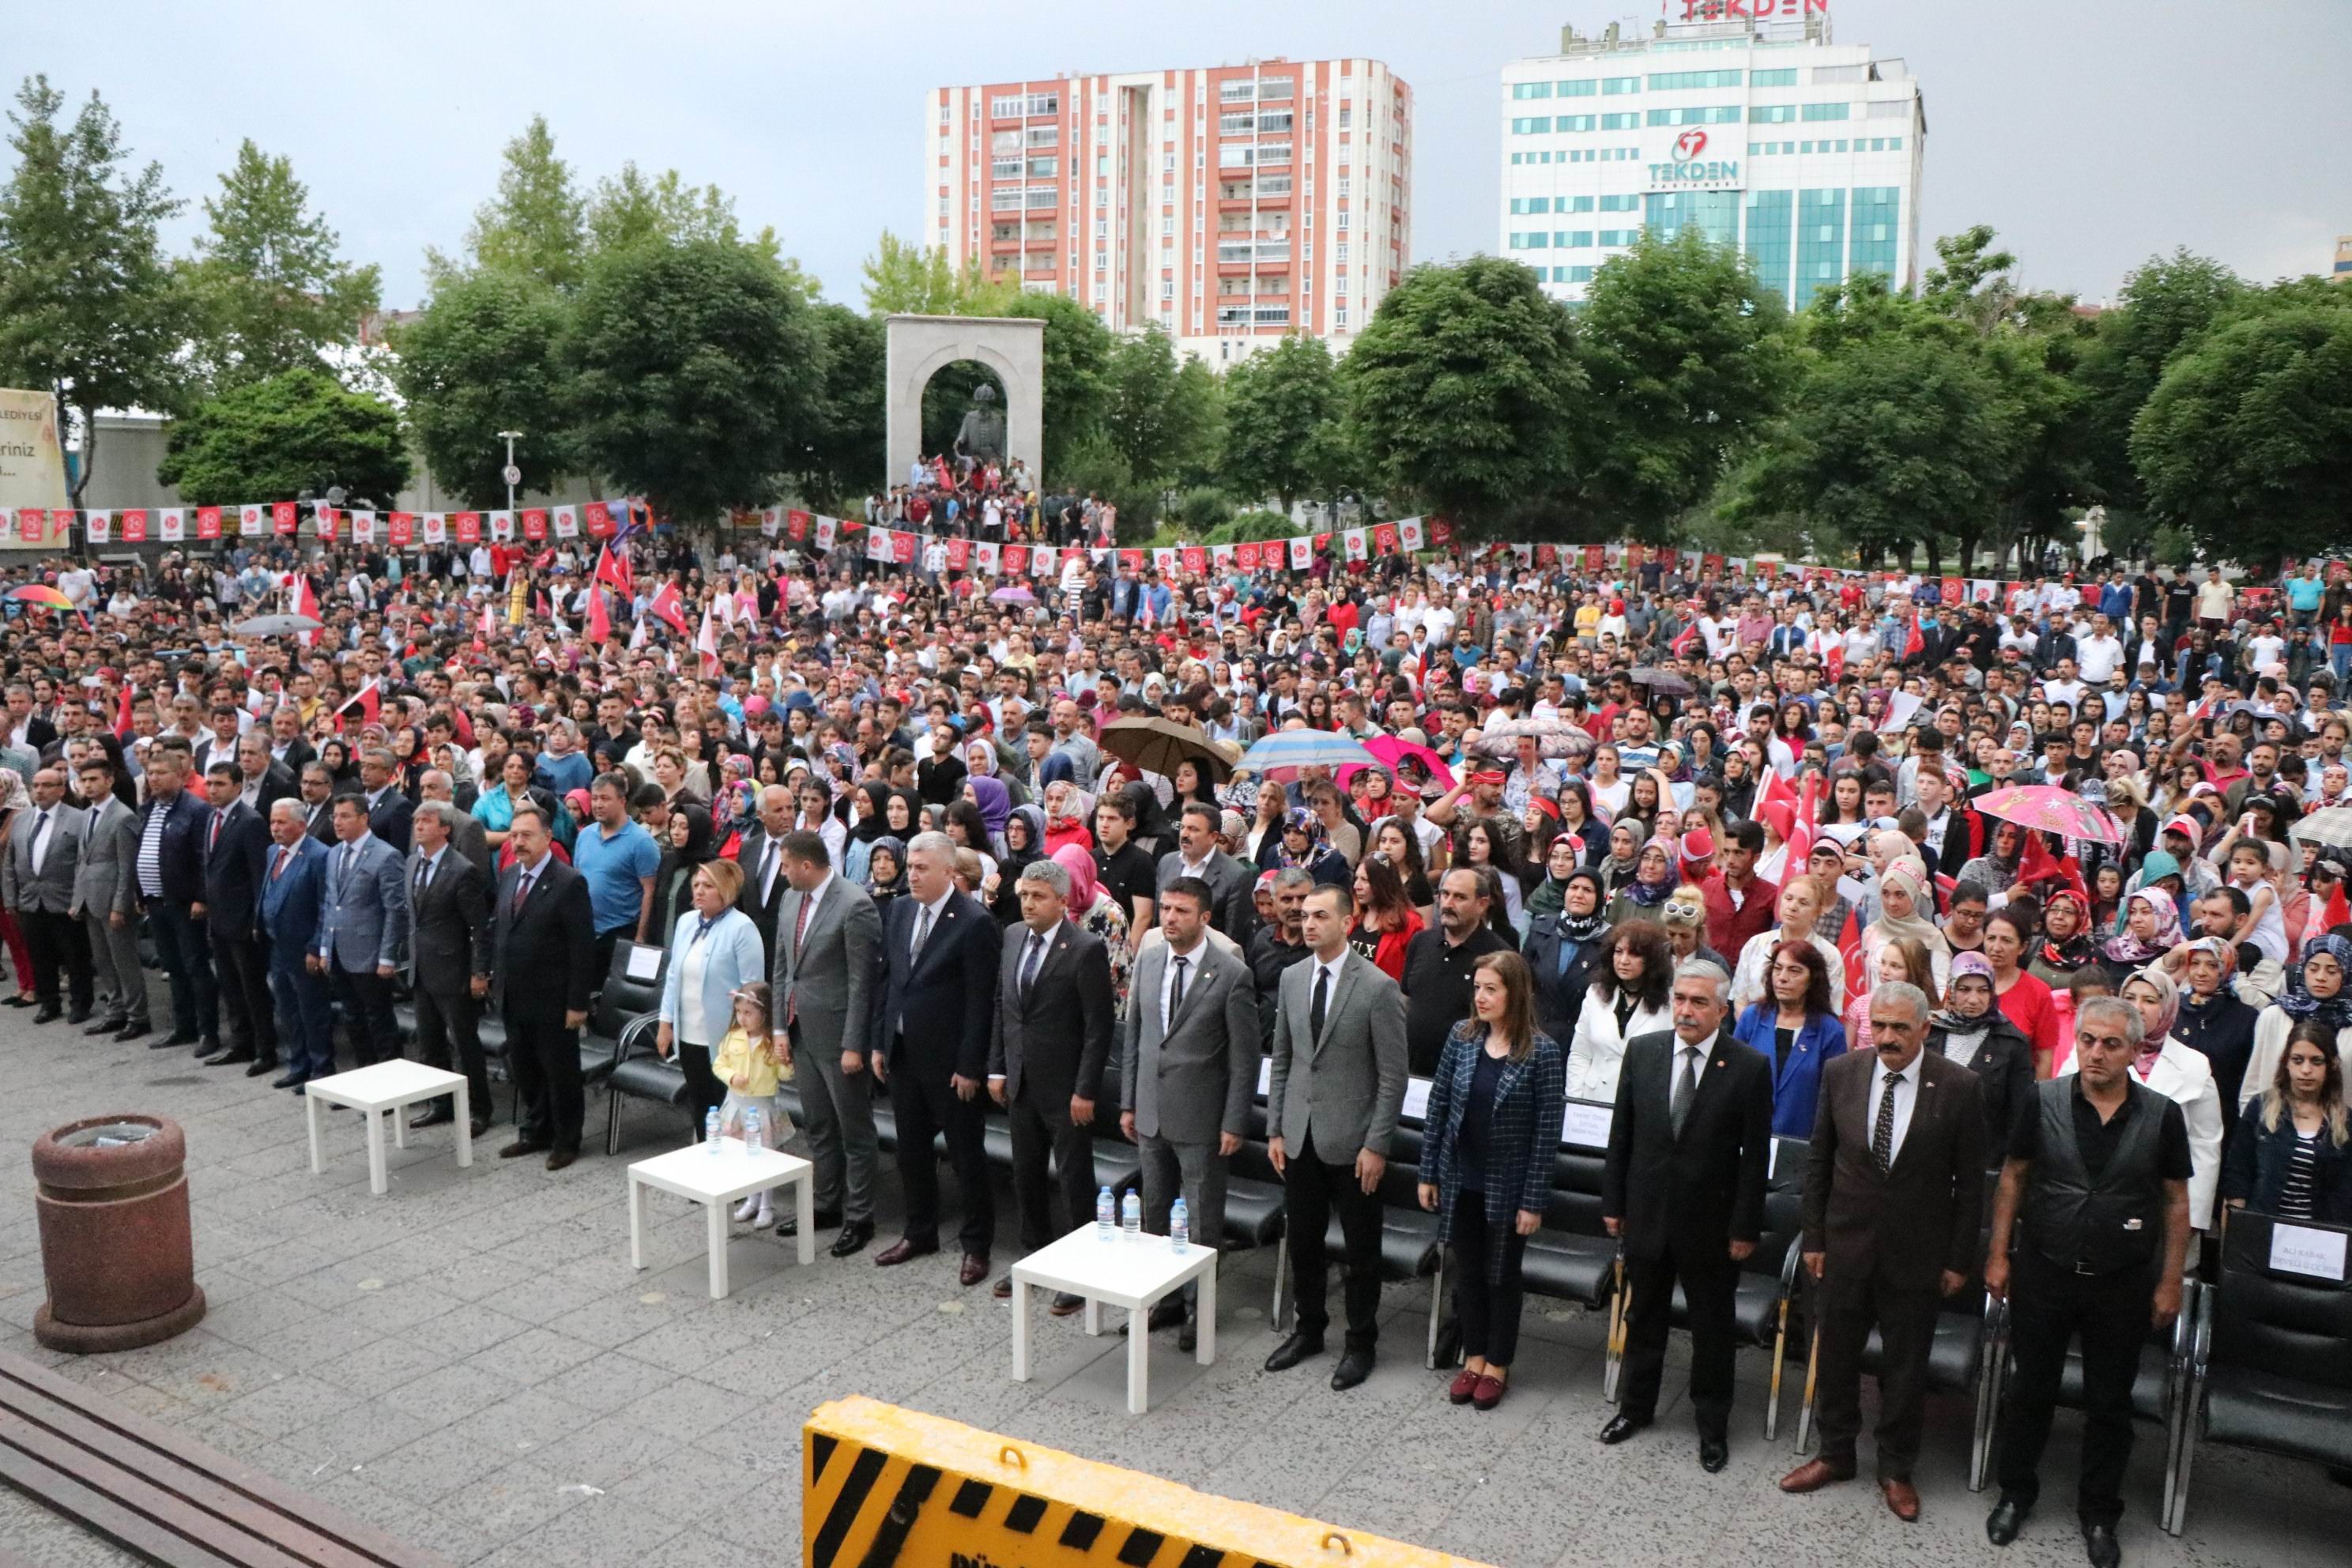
x=298 y=430
x=1077 y=354
x=536 y=224
x=690 y=376
x=842 y=458
x=486 y=356
x=1684 y=355
x=1281 y=408
x=2169 y=300
x=90 y=307
x=1164 y=416
x=269 y=291
x=1464 y=387
x=903 y=278
x=2246 y=442
x=631 y=209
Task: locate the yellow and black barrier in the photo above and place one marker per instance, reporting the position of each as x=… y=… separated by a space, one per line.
x=884 y=1487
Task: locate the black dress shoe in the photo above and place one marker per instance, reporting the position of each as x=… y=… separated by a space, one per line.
x=229 y=1059
x=1002 y=1289
x=2099 y=1545
x=256 y=1068
x=478 y=1127
x=106 y=1027
x=1353 y=1368
x=1188 y=1337
x=210 y=1048
x=852 y=1238
x=521 y=1146
x=1066 y=1303
x=432 y=1116
x=135 y=1029
x=79 y=1016
x=1293 y=1351
x=823 y=1219
x=1168 y=1312
x=291 y=1080
x=1714 y=1453
x=19 y=1001
x=49 y=1014
x=561 y=1159
x=177 y=1038
x=904 y=1251
x=1622 y=1427
x=2007 y=1518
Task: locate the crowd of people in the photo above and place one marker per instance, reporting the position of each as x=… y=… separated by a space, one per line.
x=1713 y=852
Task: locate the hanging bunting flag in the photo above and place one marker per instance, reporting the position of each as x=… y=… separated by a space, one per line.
x=1195 y=559
x=1384 y=538
x=468 y=526
x=796 y=525
x=566 y=519
x=827 y=531
x=902 y=548
x=363 y=528
x=327 y=522
x=989 y=555
x=958 y=554
x=1408 y=532
x=502 y=527
x=534 y=523
x=1302 y=554
x=400 y=529
x=1359 y=544
x=1245 y=554
x=436 y=527
x=1015 y=558
x=1221 y=556
x=99 y=526
x=877 y=545
x=1042 y=559
x=208 y=522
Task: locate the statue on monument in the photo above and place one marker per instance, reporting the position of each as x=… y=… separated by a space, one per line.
x=982 y=436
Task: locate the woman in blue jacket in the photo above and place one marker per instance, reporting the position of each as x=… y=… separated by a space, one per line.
x=2293 y=1155
x=714 y=950
x=1489 y=1137
x=1797 y=1028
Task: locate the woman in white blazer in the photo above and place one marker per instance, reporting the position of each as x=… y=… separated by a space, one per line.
x=2181 y=1074
x=714 y=952
x=1631 y=993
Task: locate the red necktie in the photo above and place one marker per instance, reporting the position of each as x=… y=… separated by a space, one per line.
x=278 y=870
x=800 y=930
x=215 y=839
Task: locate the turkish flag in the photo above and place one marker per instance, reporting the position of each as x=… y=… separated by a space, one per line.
x=208 y=522
x=599 y=622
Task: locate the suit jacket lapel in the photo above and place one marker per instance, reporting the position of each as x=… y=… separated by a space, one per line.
x=1056 y=946
x=1202 y=969
x=1339 y=996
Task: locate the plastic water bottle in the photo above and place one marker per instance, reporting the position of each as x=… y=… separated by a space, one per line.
x=1180 y=1227
x=710 y=1130
x=1106 y=1216
x=1130 y=1217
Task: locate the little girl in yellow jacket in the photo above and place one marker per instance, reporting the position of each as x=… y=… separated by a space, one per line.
x=750 y=1064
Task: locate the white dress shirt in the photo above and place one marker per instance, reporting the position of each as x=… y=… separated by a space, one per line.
x=1906 y=1099
x=937 y=908
x=1191 y=957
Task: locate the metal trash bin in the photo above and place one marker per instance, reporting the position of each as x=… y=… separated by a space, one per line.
x=116 y=1249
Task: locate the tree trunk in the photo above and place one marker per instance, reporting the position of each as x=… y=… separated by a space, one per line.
x=1967 y=544
x=1934 y=543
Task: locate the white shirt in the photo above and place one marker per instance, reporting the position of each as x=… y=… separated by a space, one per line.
x=1192 y=958
x=934 y=910
x=2098 y=657
x=1906 y=1098
x=810 y=899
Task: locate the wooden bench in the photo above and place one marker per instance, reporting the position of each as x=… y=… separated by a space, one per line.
x=161 y=1497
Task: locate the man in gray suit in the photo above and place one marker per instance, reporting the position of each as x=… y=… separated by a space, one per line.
x=1232 y=907
x=37 y=882
x=106 y=898
x=828 y=935
x=1187 y=1072
x=467 y=835
x=1337 y=1088
x=363 y=930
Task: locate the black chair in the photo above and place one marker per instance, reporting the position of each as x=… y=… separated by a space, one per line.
x=1572 y=1257
x=2157 y=1388
x=1409 y=1248
x=639 y=1074
x=2271 y=1360
x=622 y=1000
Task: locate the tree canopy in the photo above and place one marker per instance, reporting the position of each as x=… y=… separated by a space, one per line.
x=484 y=357
x=296 y=432
x=268 y=288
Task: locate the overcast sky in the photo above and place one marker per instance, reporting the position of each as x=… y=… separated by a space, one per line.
x=2092 y=133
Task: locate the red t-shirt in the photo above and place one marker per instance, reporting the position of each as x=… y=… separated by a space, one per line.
x=2029 y=1005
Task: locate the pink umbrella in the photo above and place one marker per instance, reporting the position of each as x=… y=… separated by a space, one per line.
x=1393 y=752
x=2046 y=808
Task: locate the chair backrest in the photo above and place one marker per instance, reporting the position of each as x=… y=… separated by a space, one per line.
x=623 y=998
x=1784 y=1207
x=1576 y=1181
x=2273 y=1318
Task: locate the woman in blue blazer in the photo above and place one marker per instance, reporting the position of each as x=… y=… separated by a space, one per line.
x=714 y=952
x=1489 y=1137
x=1797 y=1028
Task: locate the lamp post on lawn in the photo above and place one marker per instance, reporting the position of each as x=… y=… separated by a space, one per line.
x=513 y=475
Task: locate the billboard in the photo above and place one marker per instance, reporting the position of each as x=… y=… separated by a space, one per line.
x=32 y=468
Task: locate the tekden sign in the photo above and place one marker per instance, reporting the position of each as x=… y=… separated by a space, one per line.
x=1688 y=168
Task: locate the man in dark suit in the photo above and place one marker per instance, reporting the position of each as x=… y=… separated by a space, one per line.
x=171 y=873
x=1231 y=885
x=37 y=882
x=237 y=851
x=389 y=812
x=262 y=780
x=1683 y=1190
x=822 y=967
x=1893 y=1207
x=467 y=835
x=318 y=788
x=761 y=855
x=293 y=891
x=448 y=949
x=1047 y=1049
x=542 y=945
x=940 y=955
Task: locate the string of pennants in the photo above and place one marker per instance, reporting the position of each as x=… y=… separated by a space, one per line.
x=399 y=530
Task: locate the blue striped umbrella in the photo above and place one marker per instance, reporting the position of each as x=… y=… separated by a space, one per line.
x=1281 y=754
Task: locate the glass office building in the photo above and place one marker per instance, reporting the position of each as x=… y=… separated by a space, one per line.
x=1761 y=133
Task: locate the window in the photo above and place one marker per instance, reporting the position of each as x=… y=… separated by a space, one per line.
x=1621 y=121
x=1341 y=258
x=1530 y=204
x=1572 y=239
x=1584 y=88
x=1004 y=143
x=1536 y=125
x=1728 y=113
x=1787 y=78
x=1768 y=223
x=1678 y=81
x=1611 y=86
x=1875 y=209
x=1004 y=169
x=1840 y=73
x=1891 y=109
x=1044 y=137
x=1576 y=121
x=1620 y=205
x=1534 y=241
x=1573 y=205
x=1240 y=124
x=1043 y=168
x=1524 y=89
x=1002 y=201
x=1772 y=113
x=1277 y=88
x=1821 y=242
x=1826 y=111
x=1343 y=222
x=1574 y=274
x=1619 y=235
x=1276 y=122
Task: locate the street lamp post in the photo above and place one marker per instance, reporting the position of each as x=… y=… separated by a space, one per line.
x=512 y=474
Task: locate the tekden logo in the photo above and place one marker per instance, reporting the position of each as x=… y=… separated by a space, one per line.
x=1690 y=145
x=1688 y=165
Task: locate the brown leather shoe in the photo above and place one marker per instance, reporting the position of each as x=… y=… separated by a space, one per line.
x=1813 y=1475
x=902 y=1251
x=974 y=1269
x=561 y=1158
x=1901 y=1499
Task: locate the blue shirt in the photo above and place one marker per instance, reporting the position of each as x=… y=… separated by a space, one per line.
x=614 y=868
x=564 y=775
x=2304 y=592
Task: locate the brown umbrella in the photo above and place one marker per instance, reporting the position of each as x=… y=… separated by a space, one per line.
x=1157 y=745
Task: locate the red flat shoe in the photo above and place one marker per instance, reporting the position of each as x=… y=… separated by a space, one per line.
x=1489 y=1395
x=1464 y=1385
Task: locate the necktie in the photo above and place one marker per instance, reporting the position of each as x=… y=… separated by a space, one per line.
x=1322 y=997
x=351 y=864
x=1176 y=991
x=768 y=874
x=40 y=832
x=922 y=933
x=800 y=925
x=1030 y=960
x=1686 y=1089
x=284 y=855
x=423 y=877
x=1882 y=1137
x=522 y=891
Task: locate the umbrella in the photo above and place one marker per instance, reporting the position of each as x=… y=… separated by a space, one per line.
x=276 y=625
x=1157 y=745
x=2046 y=808
x=2330 y=826
x=41 y=595
x=1281 y=754
x=1555 y=741
x=1664 y=682
x=1394 y=752
x=1013 y=595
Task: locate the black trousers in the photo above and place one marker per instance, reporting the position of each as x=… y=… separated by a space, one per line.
x=1041 y=1127
x=1487 y=1312
x=544 y=1058
x=1707 y=1275
x=366 y=997
x=241 y=964
x=1905 y=1322
x=186 y=956
x=2048 y=1309
x=925 y=1105
x=60 y=950
x=1312 y=1190
x=450 y=1015
x=704 y=1092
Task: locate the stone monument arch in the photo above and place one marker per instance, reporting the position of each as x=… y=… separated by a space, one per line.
x=919 y=347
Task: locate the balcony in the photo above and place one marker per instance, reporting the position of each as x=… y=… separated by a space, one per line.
x=1264 y=252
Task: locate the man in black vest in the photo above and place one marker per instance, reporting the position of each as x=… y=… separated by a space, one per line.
x=2100 y=1166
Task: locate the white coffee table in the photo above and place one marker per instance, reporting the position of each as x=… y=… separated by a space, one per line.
x=715 y=1180
x=392 y=1087
x=1120 y=1272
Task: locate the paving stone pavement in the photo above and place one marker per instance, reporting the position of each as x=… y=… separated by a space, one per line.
x=470 y=1364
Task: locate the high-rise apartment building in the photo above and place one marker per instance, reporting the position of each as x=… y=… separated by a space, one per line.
x=1229 y=204
x=1744 y=120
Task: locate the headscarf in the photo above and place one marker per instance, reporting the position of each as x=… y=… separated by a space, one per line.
x=2077 y=949
x=1584 y=928
x=1915 y=925
x=13 y=795
x=1151 y=821
x=995 y=802
x=1084 y=885
x=1968 y=965
x=1650 y=895
x=1010 y=865
x=2126 y=948
x=1299 y=819
x=1550 y=894
x=2168 y=1002
x=1081 y=811
x=897 y=850
x=2300 y=1004
x=701 y=835
x=877 y=821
